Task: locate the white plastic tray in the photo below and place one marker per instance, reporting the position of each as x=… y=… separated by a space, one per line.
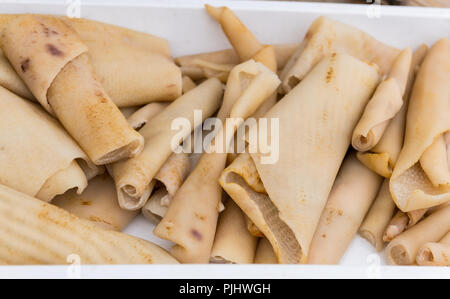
x=190 y=30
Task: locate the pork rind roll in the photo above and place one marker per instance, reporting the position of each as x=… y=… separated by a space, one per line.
x=133 y=176
x=382 y=157
x=135 y=68
x=404 y=248
x=353 y=192
x=326 y=36
x=191 y=218
x=98 y=204
x=311 y=151
x=37 y=156
x=384 y=105
x=421 y=177
x=171 y=175
x=34 y=232
x=233 y=243
x=52 y=61
x=378 y=217
x=435 y=254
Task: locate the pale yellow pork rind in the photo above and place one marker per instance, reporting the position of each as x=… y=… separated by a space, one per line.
x=414 y=184
x=403 y=249
x=217 y=63
x=10 y=80
x=133 y=176
x=264 y=253
x=135 y=68
x=435 y=253
x=384 y=104
x=51 y=59
x=353 y=192
x=312 y=148
x=168 y=180
x=378 y=217
x=382 y=157
x=97 y=203
x=34 y=232
x=191 y=218
x=233 y=243
x=38 y=157
x=326 y=36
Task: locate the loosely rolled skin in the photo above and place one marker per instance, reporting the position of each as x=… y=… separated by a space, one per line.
x=135 y=68
x=404 y=248
x=378 y=217
x=415 y=183
x=51 y=59
x=233 y=243
x=133 y=176
x=34 y=232
x=383 y=156
x=436 y=253
x=396 y=226
x=299 y=182
x=37 y=156
x=326 y=36
x=384 y=104
x=353 y=192
x=98 y=204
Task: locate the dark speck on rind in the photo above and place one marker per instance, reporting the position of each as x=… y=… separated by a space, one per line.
x=54 y=50
x=25 y=64
x=196 y=234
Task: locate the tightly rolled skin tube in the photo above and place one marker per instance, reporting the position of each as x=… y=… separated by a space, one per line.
x=38 y=157
x=404 y=248
x=264 y=253
x=192 y=66
x=435 y=254
x=384 y=104
x=326 y=36
x=52 y=60
x=378 y=217
x=34 y=232
x=287 y=220
x=383 y=156
x=416 y=181
x=353 y=192
x=191 y=221
x=98 y=204
x=133 y=176
x=233 y=243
